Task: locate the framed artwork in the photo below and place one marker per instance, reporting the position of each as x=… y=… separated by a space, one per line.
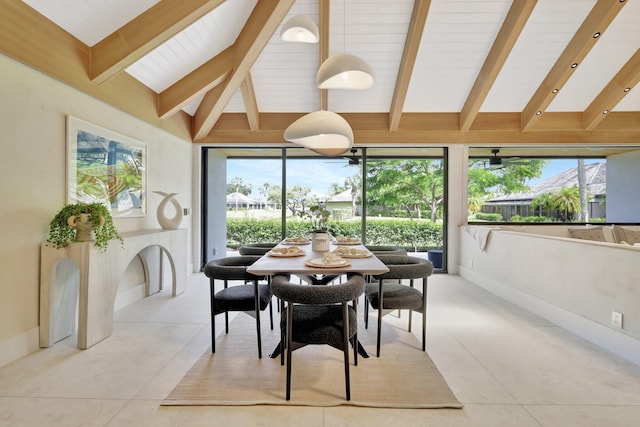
x=106 y=167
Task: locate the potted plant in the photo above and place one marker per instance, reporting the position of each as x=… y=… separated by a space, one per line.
x=76 y=222
x=319 y=217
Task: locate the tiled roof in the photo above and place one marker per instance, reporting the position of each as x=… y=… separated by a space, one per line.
x=596 y=183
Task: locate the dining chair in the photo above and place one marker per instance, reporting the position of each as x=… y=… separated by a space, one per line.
x=388 y=292
x=250 y=297
x=386 y=250
x=256 y=248
x=319 y=314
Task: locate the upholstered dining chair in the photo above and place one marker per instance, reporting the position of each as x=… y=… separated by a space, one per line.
x=386 y=250
x=250 y=297
x=256 y=248
x=387 y=292
x=319 y=314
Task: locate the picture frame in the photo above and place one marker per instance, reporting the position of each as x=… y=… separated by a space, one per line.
x=106 y=167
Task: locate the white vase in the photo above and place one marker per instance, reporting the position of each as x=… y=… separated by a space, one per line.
x=166 y=222
x=320 y=241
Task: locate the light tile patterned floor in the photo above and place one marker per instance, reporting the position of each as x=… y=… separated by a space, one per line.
x=508 y=366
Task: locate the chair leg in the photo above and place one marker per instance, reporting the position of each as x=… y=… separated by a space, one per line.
x=345 y=348
x=226 y=314
x=213 y=316
x=271 y=314
x=289 y=340
x=283 y=335
x=366 y=313
x=355 y=337
x=380 y=305
x=257 y=311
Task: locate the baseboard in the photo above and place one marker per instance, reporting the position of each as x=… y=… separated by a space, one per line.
x=618 y=343
x=19 y=346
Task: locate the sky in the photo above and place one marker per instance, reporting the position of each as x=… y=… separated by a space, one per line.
x=319 y=174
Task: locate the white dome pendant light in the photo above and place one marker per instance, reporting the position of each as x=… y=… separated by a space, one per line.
x=323 y=132
x=300 y=28
x=344 y=71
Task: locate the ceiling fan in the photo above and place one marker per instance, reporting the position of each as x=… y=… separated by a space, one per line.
x=496 y=161
x=353 y=159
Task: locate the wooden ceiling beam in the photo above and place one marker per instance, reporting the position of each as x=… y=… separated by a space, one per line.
x=256 y=33
x=602 y=14
x=140 y=36
x=209 y=75
x=32 y=39
x=612 y=94
x=409 y=54
x=437 y=128
x=512 y=26
x=250 y=103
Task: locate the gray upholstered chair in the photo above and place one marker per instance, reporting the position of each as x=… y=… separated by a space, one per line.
x=256 y=248
x=386 y=250
x=388 y=293
x=319 y=314
x=250 y=298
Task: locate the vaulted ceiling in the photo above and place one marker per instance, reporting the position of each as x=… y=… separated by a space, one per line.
x=478 y=72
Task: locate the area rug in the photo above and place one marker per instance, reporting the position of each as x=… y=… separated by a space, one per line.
x=403 y=377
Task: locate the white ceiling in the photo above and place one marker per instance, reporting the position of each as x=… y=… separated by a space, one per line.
x=456 y=40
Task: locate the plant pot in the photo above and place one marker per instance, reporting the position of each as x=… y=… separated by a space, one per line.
x=84 y=228
x=320 y=241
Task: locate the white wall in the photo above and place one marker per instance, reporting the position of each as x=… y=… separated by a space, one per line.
x=573 y=283
x=623 y=191
x=33 y=188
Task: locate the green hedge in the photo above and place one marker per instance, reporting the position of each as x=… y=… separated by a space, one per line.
x=495 y=217
x=409 y=234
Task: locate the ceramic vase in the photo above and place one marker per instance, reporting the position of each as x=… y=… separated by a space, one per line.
x=167 y=223
x=320 y=241
x=84 y=229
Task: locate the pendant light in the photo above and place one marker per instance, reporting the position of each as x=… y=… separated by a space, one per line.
x=300 y=28
x=344 y=71
x=322 y=132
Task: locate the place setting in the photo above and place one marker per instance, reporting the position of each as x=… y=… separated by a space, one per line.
x=347 y=252
x=341 y=240
x=286 y=252
x=296 y=241
x=329 y=260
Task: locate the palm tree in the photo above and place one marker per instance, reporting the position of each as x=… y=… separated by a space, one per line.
x=567 y=200
x=475 y=204
x=544 y=203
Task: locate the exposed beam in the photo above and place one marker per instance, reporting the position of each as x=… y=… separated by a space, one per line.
x=255 y=34
x=512 y=26
x=204 y=78
x=32 y=39
x=250 y=103
x=323 y=18
x=612 y=94
x=144 y=33
x=418 y=129
x=602 y=14
x=409 y=54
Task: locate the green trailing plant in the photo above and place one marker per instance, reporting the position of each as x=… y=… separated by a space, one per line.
x=61 y=233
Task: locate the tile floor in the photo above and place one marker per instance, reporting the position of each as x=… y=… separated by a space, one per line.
x=508 y=366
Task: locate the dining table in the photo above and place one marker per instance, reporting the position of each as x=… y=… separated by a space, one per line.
x=295 y=256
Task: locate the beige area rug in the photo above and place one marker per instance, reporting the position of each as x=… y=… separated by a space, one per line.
x=403 y=377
